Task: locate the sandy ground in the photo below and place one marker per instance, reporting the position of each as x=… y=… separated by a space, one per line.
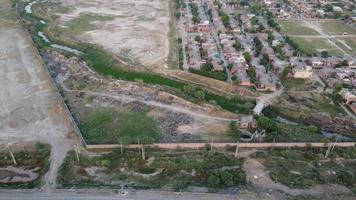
x=30 y=110
x=138 y=32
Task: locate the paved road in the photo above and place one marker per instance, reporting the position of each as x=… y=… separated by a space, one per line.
x=107 y=195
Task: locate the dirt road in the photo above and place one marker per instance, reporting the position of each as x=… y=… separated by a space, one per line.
x=173 y=108
x=265 y=100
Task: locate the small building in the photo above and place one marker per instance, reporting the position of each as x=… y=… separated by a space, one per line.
x=247 y=122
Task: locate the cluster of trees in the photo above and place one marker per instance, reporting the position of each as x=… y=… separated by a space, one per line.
x=195 y=12
x=258 y=45
x=237 y=45
x=251 y=72
x=293 y=44
x=247 y=56
x=192 y=91
x=270 y=21
x=225 y=19
x=266 y=62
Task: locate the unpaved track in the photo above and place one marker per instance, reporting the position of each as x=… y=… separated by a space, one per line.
x=29 y=102
x=265 y=100
x=177 y=109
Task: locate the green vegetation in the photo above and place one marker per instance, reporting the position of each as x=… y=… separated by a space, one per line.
x=111 y=127
x=84 y=23
x=225 y=19
x=28 y=158
x=175 y=56
x=180 y=168
x=195 y=12
x=296 y=27
x=313 y=46
x=303 y=168
x=219 y=75
x=336 y=27
x=350 y=42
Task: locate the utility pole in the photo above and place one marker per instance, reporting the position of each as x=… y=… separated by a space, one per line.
x=76 y=148
x=211 y=144
x=143 y=152
x=237 y=149
x=331 y=148
x=121 y=148
x=12 y=155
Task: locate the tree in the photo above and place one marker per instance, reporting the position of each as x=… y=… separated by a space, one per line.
x=200 y=95
x=229 y=66
x=237 y=45
x=324 y=54
x=180 y=184
x=189 y=90
x=213 y=181
x=247 y=57
x=251 y=72
x=346 y=177
x=208 y=66
x=267 y=124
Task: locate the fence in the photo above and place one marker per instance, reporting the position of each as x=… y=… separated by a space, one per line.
x=223 y=145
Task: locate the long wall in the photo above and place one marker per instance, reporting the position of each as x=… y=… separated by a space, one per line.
x=222 y=145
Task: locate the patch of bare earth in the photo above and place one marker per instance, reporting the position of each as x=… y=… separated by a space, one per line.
x=30 y=106
x=138 y=31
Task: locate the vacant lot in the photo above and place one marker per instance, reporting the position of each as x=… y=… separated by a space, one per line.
x=136 y=31
x=296 y=27
x=316 y=45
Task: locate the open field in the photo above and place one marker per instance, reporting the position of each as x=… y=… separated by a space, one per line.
x=106 y=127
x=348 y=44
x=336 y=27
x=316 y=45
x=32 y=164
x=136 y=31
x=296 y=27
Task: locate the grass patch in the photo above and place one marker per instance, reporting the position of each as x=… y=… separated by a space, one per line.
x=111 y=127
x=296 y=27
x=219 y=75
x=178 y=168
x=28 y=158
x=336 y=27
x=316 y=46
x=350 y=41
x=84 y=23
